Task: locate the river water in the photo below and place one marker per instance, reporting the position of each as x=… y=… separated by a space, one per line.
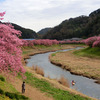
x=83 y=84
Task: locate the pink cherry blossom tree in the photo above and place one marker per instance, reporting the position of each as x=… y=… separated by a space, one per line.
x=90 y=41
x=97 y=42
x=10 y=52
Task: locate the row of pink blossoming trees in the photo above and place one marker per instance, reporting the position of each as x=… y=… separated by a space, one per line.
x=91 y=41
x=48 y=42
x=45 y=42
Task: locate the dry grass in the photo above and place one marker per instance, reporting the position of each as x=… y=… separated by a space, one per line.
x=89 y=67
x=48 y=77
x=38 y=70
x=33 y=67
x=64 y=81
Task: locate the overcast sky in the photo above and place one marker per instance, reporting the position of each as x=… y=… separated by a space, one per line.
x=38 y=14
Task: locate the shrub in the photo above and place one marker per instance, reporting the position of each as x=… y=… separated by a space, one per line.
x=20 y=97
x=90 y=41
x=23 y=97
x=16 y=96
x=64 y=81
x=10 y=95
x=2 y=78
x=39 y=71
x=97 y=42
x=1 y=91
x=33 y=67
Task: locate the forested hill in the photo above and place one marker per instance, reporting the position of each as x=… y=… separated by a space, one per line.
x=44 y=31
x=82 y=27
x=26 y=33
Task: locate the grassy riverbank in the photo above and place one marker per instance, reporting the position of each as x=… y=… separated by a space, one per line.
x=39 y=48
x=28 y=51
x=41 y=83
x=50 y=90
x=38 y=87
x=89 y=52
x=93 y=53
x=84 y=62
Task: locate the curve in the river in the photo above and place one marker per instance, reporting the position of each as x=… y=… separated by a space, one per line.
x=83 y=84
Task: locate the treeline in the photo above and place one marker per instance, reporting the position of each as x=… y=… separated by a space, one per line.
x=26 y=33
x=44 y=31
x=81 y=27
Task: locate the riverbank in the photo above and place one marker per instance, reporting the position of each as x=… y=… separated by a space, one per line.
x=28 y=52
x=79 y=65
x=36 y=85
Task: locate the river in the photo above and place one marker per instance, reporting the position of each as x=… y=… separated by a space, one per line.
x=83 y=84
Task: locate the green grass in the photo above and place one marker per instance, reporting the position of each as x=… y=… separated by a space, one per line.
x=79 y=44
x=7 y=87
x=43 y=47
x=8 y=92
x=46 y=87
x=88 y=52
x=53 y=54
x=25 y=52
x=27 y=49
x=58 y=46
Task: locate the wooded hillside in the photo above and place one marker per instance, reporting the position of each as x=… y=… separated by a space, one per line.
x=82 y=27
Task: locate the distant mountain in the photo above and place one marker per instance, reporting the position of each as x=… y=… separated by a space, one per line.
x=44 y=31
x=26 y=33
x=81 y=27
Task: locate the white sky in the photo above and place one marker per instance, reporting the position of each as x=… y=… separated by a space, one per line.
x=38 y=14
